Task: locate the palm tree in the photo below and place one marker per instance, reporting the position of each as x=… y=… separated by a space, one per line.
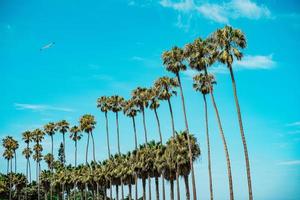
x=206 y=83
x=14 y=147
x=154 y=105
x=48 y=158
x=200 y=54
x=130 y=109
x=116 y=105
x=166 y=89
x=87 y=124
x=140 y=97
x=104 y=105
x=63 y=127
x=38 y=136
x=50 y=129
x=230 y=41
x=27 y=152
x=8 y=154
x=75 y=136
x=173 y=60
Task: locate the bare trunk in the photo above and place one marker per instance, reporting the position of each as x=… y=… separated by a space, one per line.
x=145 y=128
x=242 y=134
x=76 y=153
x=177 y=184
x=163 y=186
x=135 y=135
x=118 y=132
x=15 y=161
x=188 y=136
x=93 y=142
x=225 y=146
x=117 y=192
x=149 y=187
x=87 y=149
x=144 y=188
x=157 y=188
x=208 y=149
x=129 y=191
x=10 y=181
x=136 y=187
x=110 y=190
x=172 y=117
x=158 y=125
x=187 y=187
x=107 y=135
x=64 y=149
x=29 y=170
x=122 y=189
x=37 y=178
x=51 y=188
x=171 y=189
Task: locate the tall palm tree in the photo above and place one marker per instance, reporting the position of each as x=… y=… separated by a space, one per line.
x=140 y=97
x=87 y=125
x=116 y=105
x=48 y=158
x=166 y=88
x=63 y=127
x=75 y=135
x=230 y=41
x=173 y=60
x=200 y=54
x=38 y=136
x=154 y=105
x=14 y=147
x=206 y=83
x=27 y=152
x=50 y=130
x=130 y=109
x=8 y=154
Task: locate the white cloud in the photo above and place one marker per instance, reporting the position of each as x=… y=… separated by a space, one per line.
x=39 y=107
x=222 y=12
x=294 y=124
x=256 y=62
x=137 y=58
x=290 y=162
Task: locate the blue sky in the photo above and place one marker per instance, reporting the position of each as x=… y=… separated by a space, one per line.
x=111 y=47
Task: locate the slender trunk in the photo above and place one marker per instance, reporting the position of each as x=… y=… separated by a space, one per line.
x=145 y=128
x=187 y=187
x=208 y=149
x=157 y=188
x=135 y=135
x=107 y=135
x=29 y=170
x=188 y=137
x=15 y=161
x=118 y=132
x=163 y=186
x=117 y=192
x=93 y=142
x=26 y=177
x=51 y=188
x=37 y=178
x=242 y=133
x=10 y=181
x=136 y=187
x=171 y=189
x=64 y=141
x=105 y=192
x=122 y=189
x=177 y=183
x=158 y=125
x=225 y=146
x=129 y=191
x=97 y=192
x=172 y=117
x=149 y=187
x=7 y=171
x=110 y=190
x=76 y=153
x=87 y=149
x=144 y=188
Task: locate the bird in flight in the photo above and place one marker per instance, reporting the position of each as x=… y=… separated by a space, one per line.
x=47 y=46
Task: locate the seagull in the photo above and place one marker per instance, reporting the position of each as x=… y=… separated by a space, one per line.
x=47 y=46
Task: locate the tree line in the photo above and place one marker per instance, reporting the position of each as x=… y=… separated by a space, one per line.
x=153 y=160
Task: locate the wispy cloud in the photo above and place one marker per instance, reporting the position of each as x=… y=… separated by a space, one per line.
x=256 y=62
x=40 y=107
x=137 y=58
x=294 y=124
x=220 y=12
x=290 y=162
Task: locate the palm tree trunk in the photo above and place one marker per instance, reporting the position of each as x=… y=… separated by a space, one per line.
x=26 y=178
x=122 y=189
x=129 y=191
x=51 y=189
x=118 y=133
x=149 y=187
x=87 y=149
x=171 y=189
x=37 y=178
x=76 y=153
x=172 y=117
x=144 y=188
x=225 y=146
x=158 y=125
x=135 y=135
x=208 y=149
x=145 y=128
x=187 y=187
x=242 y=133
x=136 y=186
x=64 y=149
x=177 y=183
x=10 y=181
x=110 y=190
x=107 y=135
x=7 y=171
x=29 y=170
x=163 y=186
x=157 y=188
x=188 y=136
x=15 y=161
x=93 y=142
x=117 y=192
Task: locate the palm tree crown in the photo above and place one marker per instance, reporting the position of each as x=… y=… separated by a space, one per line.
x=173 y=60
